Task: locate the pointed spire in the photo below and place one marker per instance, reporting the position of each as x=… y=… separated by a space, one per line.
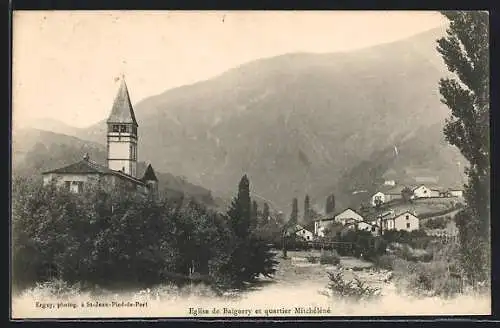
x=149 y=175
x=122 y=111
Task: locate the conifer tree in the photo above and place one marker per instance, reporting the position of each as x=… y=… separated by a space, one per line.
x=295 y=212
x=240 y=209
x=465 y=51
x=307 y=210
x=265 y=213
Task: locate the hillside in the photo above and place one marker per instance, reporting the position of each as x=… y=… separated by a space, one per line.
x=295 y=123
x=36 y=151
x=423 y=154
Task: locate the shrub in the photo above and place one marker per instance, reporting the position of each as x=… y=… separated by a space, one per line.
x=312 y=259
x=354 y=290
x=329 y=257
x=385 y=262
x=104 y=237
x=437 y=223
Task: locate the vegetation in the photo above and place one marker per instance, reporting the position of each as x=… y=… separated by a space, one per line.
x=294 y=216
x=354 y=290
x=465 y=50
x=330 y=204
x=329 y=257
x=114 y=237
x=438 y=223
x=307 y=210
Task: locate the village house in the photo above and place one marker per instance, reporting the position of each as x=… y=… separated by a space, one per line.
x=421 y=192
x=121 y=169
x=404 y=221
x=391 y=183
x=321 y=224
x=303 y=233
x=348 y=215
x=456 y=193
x=385 y=194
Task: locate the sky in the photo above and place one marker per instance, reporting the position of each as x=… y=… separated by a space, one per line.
x=65 y=64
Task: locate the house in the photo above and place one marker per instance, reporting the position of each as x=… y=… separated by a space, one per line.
x=391 y=183
x=121 y=169
x=303 y=233
x=321 y=224
x=404 y=221
x=456 y=193
x=378 y=197
x=421 y=192
x=348 y=215
x=385 y=194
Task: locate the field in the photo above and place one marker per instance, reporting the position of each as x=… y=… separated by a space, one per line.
x=297 y=283
x=423 y=207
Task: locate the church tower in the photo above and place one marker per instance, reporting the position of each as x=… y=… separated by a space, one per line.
x=122 y=134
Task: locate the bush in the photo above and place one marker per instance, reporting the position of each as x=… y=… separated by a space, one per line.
x=437 y=278
x=113 y=237
x=385 y=262
x=312 y=259
x=354 y=290
x=437 y=223
x=329 y=257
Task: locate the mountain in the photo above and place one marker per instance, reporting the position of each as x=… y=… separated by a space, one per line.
x=47 y=124
x=294 y=123
x=35 y=151
x=425 y=154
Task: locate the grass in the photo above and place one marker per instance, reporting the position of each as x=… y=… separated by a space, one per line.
x=291 y=287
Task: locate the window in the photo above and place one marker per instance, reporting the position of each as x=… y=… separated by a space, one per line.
x=373 y=229
x=407 y=217
x=408 y=225
x=123 y=128
x=76 y=186
x=116 y=128
x=67 y=185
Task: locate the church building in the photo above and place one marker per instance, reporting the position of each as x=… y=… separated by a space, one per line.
x=121 y=169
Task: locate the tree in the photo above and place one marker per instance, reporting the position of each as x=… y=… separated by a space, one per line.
x=330 y=204
x=295 y=211
x=255 y=215
x=265 y=213
x=406 y=194
x=240 y=209
x=307 y=210
x=465 y=51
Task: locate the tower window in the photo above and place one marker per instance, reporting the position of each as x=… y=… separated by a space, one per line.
x=116 y=128
x=123 y=128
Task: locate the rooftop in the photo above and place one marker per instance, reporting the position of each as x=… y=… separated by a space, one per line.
x=86 y=166
x=122 y=110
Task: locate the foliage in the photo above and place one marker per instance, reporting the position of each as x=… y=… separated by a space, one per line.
x=438 y=223
x=465 y=50
x=118 y=238
x=366 y=245
x=329 y=257
x=385 y=262
x=355 y=290
x=330 y=204
x=251 y=255
x=416 y=238
x=307 y=210
x=406 y=194
x=312 y=258
x=295 y=212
